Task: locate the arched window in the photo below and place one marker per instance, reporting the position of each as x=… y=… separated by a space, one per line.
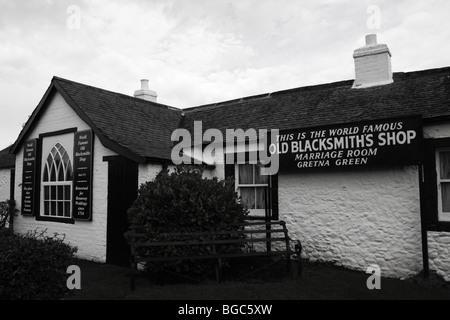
x=57 y=183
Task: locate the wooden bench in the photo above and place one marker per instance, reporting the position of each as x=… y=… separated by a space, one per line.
x=254 y=239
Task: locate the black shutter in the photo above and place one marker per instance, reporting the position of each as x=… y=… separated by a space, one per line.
x=12 y=183
x=429 y=192
x=274 y=196
x=229 y=171
x=273 y=192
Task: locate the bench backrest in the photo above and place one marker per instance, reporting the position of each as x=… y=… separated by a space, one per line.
x=254 y=234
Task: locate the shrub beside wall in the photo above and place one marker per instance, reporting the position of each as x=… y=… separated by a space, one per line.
x=182 y=202
x=7 y=208
x=33 y=266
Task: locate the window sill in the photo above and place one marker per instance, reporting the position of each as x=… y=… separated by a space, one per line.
x=55 y=219
x=444 y=217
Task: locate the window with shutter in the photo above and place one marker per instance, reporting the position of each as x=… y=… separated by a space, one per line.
x=443 y=183
x=259 y=193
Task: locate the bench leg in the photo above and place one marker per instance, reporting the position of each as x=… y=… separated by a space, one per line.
x=133 y=276
x=219 y=270
x=288 y=264
x=299 y=266
x=298 y=249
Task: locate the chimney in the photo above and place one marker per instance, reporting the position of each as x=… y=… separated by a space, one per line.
x=372 y=64
x=144 y=93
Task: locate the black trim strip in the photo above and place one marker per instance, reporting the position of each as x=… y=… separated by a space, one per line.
x=58 y=133
x=59 y=220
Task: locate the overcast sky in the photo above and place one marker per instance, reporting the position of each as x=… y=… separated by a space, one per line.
x=202 y=51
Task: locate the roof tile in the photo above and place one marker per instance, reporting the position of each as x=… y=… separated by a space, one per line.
x=425 y=93
x=141 y=126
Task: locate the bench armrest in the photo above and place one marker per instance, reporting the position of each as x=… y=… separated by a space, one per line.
x=297 y=247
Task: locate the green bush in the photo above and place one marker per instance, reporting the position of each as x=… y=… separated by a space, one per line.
x=7 y=208
x=34 y=265
x=183 y=202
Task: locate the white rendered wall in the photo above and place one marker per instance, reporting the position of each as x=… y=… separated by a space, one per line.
x=439 y=253
x=148 y=172
x=89 y=237
x=356 y=218
x=5 y=180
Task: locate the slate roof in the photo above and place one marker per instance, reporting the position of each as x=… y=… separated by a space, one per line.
x=142 y=126
x=425 y=93
x=141 y=130
x=134 y=127
x=7 y=160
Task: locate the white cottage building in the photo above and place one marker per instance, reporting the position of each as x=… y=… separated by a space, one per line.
x=364 y=174
x=7 y=163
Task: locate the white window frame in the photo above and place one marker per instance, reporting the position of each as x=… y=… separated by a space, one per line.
x=442 y=215
x=65 y=141
x=252 y=212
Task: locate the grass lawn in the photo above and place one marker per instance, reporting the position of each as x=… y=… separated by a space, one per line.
x=318 y=282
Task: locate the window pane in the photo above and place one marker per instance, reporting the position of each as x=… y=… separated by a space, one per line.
x=53 y=173
x=46 y=208
x=60 y=208
x=67 y=209
x=53 y=208
x=53 y=192
x=67 y=193
x=445 y=164
x=61 y=173
x=60 y=192
x=58 y=161
x=66 y=159
x=46 y=177
x=245 y=174
x=260 y=179
x=46 y=193
x=260 y=198
x=248 y=197
x=69 y=174
x=445 y=189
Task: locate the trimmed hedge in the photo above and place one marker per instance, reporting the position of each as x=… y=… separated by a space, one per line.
x=33 y=266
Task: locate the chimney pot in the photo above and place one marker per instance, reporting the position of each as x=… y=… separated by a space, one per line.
x=144 y=84
x=372 y=64
x=371 y=39
x=145 y=93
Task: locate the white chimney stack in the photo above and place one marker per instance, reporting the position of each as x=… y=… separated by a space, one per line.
x=372 y=64
x=145 y=93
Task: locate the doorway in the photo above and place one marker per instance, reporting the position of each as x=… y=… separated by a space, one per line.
x=122 y=191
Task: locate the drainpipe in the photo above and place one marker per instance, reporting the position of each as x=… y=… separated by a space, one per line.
x=423 y=226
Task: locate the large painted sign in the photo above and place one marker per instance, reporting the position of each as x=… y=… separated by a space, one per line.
x=388 y=142
x=82 y=178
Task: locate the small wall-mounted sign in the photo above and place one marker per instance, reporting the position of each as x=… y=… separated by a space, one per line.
x=83 y=156
x=29 y=177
